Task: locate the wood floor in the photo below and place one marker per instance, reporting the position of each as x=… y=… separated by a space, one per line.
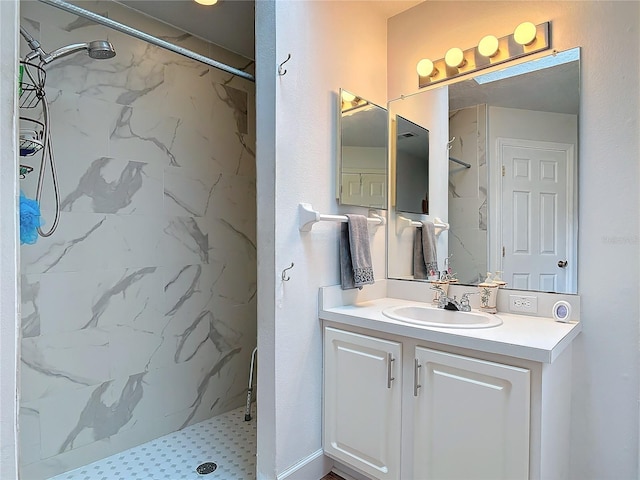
x=331 y=476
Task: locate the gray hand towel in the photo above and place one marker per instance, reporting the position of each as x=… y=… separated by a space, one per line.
x=356 y=269
x=425 y=257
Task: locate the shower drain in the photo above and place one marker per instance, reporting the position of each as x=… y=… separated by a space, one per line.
x=207 y=467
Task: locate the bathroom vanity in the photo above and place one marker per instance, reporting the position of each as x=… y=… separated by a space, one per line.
x=406 y=401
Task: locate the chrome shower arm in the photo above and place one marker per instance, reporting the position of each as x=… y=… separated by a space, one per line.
x=36 y=48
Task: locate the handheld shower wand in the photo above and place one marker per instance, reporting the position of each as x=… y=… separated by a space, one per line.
x=97 y=49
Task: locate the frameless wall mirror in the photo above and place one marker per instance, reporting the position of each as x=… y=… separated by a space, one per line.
x=362 y=157
x=512 y=155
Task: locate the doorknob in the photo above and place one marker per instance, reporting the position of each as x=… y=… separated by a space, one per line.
x=562 y=263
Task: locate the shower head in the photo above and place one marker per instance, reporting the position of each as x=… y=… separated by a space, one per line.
x=101 y=50
x=97 y=49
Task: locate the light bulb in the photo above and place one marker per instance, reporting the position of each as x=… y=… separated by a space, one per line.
x=488 y=46
x=454 y=57
x=348 y=97
x=525 y=33
x=206 y=2
x=425 y=68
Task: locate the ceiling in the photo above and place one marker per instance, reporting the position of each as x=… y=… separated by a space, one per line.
x=230 y=23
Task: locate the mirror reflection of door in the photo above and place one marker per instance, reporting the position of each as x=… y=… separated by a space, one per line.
x=537 y=214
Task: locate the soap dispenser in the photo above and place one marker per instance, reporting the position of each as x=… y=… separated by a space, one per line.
x=488 y=294
x=497 y=278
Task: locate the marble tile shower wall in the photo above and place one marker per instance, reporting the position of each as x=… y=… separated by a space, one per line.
x=468 y=194
x=139 y=313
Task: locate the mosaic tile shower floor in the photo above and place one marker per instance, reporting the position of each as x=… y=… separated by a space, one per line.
x=226 y=439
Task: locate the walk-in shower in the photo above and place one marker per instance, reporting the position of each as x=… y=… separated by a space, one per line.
x=138 y=315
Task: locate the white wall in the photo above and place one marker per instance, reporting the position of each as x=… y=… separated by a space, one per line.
x=332 y=45
x=605 y=397
x=9 y=303
x=425 y=110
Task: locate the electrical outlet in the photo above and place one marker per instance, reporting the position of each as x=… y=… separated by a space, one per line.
x=523 y=303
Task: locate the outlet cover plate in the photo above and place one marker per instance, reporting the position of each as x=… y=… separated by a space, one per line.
x=523 y=303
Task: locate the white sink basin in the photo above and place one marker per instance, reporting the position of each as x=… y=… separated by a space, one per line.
x=437 y=317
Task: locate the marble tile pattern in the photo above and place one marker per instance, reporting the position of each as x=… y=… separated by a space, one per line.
x=139 y=312
x=468 y=194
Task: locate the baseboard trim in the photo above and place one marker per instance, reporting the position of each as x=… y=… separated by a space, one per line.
x=315 y=465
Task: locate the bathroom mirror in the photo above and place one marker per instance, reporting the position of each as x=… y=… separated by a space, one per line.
x=362 y=156
x=411 y=167
x=509 y=160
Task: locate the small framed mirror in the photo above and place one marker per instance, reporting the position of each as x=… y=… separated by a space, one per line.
x=362 y=152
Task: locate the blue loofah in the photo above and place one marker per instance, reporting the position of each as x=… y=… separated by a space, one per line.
x=29 y=220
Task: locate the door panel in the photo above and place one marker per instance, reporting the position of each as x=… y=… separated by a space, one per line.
x=534 y=209
x=362 y=388
x=471 y=419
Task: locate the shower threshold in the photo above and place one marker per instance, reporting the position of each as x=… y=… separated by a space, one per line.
x=226 y=440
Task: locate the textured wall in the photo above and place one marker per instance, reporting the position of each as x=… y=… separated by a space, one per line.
x=139 y=311
x=331 y=47
x=606 y=375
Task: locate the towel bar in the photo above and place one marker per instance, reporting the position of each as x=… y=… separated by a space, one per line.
x=403 y=222
x=308 y=216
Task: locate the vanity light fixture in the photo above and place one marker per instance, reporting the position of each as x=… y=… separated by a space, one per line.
x=206 y=2
x=525 y=33
x=426 y=68
x=349 y=101
x=454 y=58
x=526 y=39
x=488 y=46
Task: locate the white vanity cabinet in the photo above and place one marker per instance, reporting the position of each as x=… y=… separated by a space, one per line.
x=362 y=402
x=470 y=418
x=403 y=408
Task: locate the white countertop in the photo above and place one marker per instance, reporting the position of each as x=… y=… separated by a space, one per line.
x=538 y=339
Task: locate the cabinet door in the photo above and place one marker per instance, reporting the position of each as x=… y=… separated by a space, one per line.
x=362 y=388
x=471 y=418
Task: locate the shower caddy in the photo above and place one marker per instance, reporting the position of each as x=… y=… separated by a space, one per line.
x=35 y=137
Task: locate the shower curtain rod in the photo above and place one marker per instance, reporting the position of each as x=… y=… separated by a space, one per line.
x=68 y=7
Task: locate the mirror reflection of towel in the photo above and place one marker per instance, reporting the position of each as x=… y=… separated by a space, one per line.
x=356 y=269
x=425 y=256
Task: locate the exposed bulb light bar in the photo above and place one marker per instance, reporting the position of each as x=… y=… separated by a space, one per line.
x=454 y=57
x=526 y=39
x=525 y=33
x=426 y=68
x=489 y=46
